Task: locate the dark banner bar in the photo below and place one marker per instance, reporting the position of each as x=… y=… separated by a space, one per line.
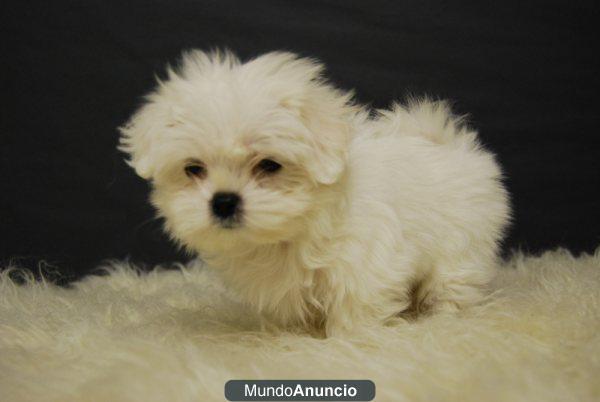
x=299 y=390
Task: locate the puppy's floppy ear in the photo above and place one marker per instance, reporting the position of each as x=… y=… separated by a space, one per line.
x=326 y=114
x=147 y=126
x=140 y=135
x=137 y=138
x=324 y=110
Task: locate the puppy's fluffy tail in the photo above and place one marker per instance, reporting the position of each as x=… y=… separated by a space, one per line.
x=433 y=120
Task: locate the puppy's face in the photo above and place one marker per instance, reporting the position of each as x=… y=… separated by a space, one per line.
x=238 y=154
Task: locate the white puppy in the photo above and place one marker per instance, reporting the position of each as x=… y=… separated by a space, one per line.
x=314 y=212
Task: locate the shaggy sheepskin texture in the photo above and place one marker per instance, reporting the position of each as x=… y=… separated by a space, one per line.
x=176 y=335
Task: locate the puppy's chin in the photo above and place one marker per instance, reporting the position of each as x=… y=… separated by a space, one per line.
x=249 y=233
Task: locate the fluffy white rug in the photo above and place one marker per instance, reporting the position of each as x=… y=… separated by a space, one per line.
x=177 y=336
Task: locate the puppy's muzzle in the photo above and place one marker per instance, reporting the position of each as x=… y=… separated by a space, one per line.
x=225 y=206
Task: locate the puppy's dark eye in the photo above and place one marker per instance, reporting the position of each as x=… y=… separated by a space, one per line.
x=195 y=170
x=268 y=166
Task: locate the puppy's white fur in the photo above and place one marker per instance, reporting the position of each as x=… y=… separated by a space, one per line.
x=368 y=216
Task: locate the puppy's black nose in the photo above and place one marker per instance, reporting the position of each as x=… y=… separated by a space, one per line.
x=224 y=205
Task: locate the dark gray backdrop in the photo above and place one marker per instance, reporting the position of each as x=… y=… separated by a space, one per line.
x=72 y=71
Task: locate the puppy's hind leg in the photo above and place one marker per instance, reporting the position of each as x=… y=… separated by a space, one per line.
x=454 y=285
